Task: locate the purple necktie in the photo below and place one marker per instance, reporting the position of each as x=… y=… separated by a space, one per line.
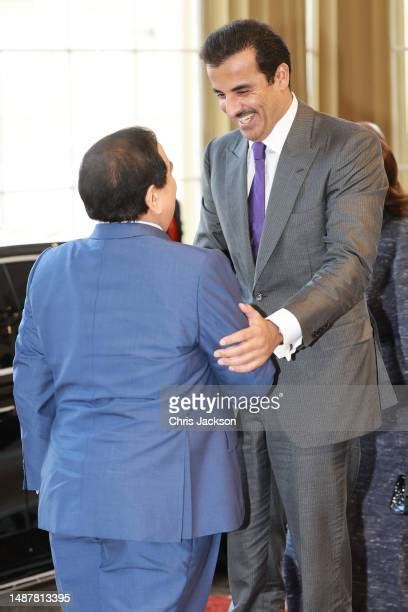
x=256 y=198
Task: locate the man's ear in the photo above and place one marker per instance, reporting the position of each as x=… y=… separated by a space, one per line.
x=152 y=199
x=282 y=75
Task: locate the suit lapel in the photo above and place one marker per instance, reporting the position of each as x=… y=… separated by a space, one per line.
x=236 y=199
x=296 y=157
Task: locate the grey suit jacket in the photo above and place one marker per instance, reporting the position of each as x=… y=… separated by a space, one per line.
x=316 y=255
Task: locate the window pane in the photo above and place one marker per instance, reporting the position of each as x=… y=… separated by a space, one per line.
x=72 y=71
x=37 y=216
x=130 y=24
x=189 y=196
x=34 y=24
x=103 y=96
x=35 y=121
x=82 y=225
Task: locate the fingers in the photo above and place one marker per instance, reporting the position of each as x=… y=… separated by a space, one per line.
x=247 y=308
x=236 y=349
x=245 y=359
x=256 y=323
x=249 y=367
x=241 y=360
x=245 y=351
x=251 y=347
x=240 y=336
x=236 y=354
x=250 y=312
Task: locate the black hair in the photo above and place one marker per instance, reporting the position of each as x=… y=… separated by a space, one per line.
x=270 y=49
x=116 y=173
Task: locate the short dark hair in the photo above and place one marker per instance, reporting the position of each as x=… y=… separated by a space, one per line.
x=116 y=173
x=270 y=48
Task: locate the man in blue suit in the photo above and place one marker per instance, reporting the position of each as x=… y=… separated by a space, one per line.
x=134 y=512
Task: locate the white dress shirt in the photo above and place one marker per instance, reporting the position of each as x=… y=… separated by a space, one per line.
x=285 y=320
x=136 y=221
x=148 y=223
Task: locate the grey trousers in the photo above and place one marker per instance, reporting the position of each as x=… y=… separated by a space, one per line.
x=306 y=489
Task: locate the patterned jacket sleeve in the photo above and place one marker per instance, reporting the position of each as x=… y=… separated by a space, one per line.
x=400 y=276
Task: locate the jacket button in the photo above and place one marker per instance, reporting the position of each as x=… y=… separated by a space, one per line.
x=258 y=297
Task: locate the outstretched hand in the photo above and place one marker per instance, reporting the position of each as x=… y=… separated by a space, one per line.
x=249 y=348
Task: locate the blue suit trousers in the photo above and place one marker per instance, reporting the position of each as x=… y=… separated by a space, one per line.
x=129 y=576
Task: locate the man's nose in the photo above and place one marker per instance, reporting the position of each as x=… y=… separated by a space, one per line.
x=232 y=106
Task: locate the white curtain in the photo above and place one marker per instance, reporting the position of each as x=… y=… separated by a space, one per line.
x=72 y=71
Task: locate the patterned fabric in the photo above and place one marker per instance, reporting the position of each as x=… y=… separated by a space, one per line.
x=388 y=297
x=379 y=538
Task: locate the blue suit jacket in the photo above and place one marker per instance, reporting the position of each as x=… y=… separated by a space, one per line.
x=108 y=323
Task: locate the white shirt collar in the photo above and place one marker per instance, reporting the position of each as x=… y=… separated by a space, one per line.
x=276 y=139
x=135 y=221
x=149 y=223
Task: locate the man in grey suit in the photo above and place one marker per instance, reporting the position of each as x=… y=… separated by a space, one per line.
x=295 y=199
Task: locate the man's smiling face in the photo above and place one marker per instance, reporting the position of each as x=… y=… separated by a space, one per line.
x=247 y=97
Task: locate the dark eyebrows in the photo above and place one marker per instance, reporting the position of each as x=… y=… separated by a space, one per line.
x=241 y=86
x=237 y=88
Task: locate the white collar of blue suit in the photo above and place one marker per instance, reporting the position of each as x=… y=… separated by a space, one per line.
x=107 y=231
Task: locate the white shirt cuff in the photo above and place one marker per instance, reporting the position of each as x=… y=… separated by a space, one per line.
x=291 y=331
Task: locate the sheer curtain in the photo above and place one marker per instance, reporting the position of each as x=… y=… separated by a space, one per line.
x=399 y=84
x=71 y=71
x=355 y=60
